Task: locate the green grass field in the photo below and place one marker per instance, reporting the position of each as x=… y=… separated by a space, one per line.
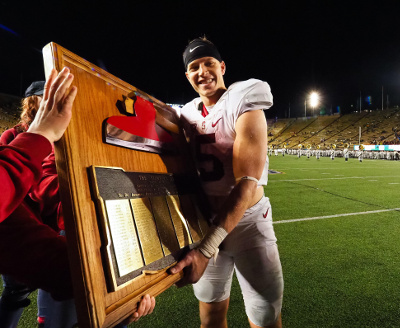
x=338 y=226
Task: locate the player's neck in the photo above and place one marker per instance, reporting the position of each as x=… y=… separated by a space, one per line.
x=212 y=100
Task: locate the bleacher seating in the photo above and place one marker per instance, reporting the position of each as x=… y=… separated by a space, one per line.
x=9 y=111
x=7 y=121
x=377 y=127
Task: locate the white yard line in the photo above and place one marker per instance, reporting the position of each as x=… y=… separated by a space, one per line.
x=336 y=215
x=379 y=176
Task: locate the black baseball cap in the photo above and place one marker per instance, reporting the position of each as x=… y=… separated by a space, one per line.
x=35 y=89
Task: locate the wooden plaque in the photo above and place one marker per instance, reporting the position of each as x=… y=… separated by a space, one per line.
x=92 y=220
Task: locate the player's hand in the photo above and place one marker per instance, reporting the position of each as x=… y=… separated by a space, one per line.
x=145 y=307
x=193 y=265
x=55 y=111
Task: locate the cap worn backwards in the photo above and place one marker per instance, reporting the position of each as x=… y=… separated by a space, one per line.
x=199 y=48
x=35 y=89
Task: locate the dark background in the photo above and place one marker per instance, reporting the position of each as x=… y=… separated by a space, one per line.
x=339 y=48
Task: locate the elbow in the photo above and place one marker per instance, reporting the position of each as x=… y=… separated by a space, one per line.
x=247 y=188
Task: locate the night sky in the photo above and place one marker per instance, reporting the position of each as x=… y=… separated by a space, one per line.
x=339 y=48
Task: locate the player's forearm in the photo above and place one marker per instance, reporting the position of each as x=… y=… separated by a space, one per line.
x=242 y=197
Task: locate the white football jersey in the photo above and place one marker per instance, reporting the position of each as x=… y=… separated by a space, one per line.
x=212 y=137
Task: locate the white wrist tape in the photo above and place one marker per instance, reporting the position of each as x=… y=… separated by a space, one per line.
x=246 y=177
x=214 y=237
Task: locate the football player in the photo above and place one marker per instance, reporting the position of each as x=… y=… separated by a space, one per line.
x=228 y=131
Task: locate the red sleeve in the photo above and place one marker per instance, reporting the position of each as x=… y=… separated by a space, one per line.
x=20 y=168
x=45 y=193
x=8 y=136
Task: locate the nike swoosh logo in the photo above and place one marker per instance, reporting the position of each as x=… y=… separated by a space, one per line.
x=214 y=124
x=266 y=213
x=191 y=50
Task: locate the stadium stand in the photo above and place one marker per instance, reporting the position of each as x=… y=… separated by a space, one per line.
x=9 y=111
x=377 y=127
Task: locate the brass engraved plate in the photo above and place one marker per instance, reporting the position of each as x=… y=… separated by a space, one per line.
x=147 y=230
x=191 y=217
x=180 y=224
x=164 y=212
x=123 y=235
x=164 y=224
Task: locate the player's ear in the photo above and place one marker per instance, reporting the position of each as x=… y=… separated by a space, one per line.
x=187 y=75
x=223 y=67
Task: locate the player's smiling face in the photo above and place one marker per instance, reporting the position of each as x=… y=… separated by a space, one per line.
x=206 y=77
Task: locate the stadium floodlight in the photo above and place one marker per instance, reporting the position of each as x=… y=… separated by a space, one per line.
x=314 y=99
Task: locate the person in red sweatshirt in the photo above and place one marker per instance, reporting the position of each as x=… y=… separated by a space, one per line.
x=43 y=197
x=24 y=239
x=14 y=297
